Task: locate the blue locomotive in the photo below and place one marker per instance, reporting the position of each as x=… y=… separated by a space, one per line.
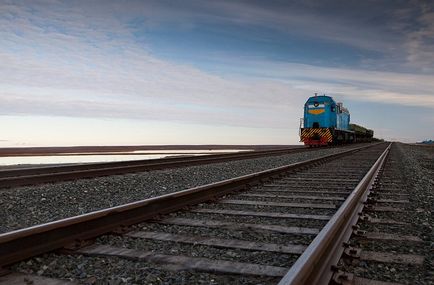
x=326 y=122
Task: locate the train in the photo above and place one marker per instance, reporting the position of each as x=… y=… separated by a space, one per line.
x=326 y=122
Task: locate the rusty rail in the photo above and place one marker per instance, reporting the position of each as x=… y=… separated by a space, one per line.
x=21 y=244
x=315 y=265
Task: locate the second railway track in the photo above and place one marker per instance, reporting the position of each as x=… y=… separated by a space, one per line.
x=47 y=174
x=242 y=237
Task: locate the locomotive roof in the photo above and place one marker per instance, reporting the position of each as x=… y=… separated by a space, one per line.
x=320 y=97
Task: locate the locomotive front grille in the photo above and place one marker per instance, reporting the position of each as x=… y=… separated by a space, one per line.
x=316 y=133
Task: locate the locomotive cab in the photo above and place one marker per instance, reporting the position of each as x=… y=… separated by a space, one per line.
x=318 y=112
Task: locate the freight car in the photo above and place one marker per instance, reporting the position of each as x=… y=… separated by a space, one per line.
x=362 y=134
x=326 y=122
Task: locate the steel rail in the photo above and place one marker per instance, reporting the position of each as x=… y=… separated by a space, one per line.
x=315 y=265
x=21 y=244
x=31 y=176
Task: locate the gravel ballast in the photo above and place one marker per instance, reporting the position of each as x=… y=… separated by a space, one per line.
x=31 y=205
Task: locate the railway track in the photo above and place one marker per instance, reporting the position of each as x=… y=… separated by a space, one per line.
x=255 y=229
x=47 y=174
x=388 y=245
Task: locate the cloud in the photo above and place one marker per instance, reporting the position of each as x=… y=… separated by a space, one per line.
x=369 y=28
x=397 y=88
x=381 y=37
x=420 y=42
x=79 y=61
x=72 y=66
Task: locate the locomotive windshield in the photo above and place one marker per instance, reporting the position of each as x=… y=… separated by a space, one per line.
x=316 y=105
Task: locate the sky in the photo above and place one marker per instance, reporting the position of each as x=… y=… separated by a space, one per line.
x=210 y=72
